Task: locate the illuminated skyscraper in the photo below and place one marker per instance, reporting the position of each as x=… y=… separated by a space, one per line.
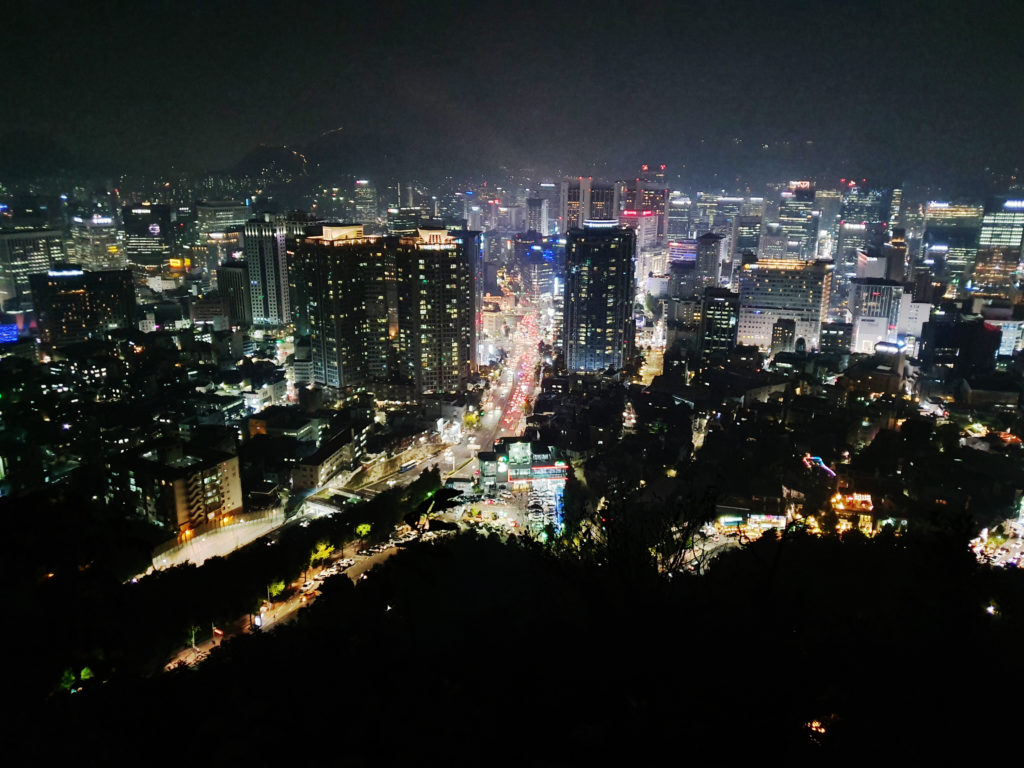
x=366 y=202
x=950 y=242
x=147 y=235
x=95 y=243
x=347 y=281
x=26 y=252
x=719 y=318
x=436 y=273
x=598 y=308
x=582 y=200
x=537 y=215
x=999 y=247
x=783 y=289
x=798 y=220
x=75 y=305
x=875 y=307
x=709 y=259
x=678 y=217
x=263 y=243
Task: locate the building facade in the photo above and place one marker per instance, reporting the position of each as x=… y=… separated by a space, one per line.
x=598 y=305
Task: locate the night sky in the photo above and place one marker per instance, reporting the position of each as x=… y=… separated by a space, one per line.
x=918 y=91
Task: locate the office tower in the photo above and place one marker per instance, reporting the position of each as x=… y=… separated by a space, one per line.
x=828 y=203
x=875 y=307
x=851 y=240
x=746 y=234
x=912 y=316
x=719 y=318
x=896 y=207
x=574 y=203
x=436 y=272
x=366 y=202
x=147 y=235
x=405 y=221
x=582 y=200
x=959 y=346
x=950 y=241
x=95 y=243
x=895 y=254
x=537 y=215
x=836 y=337
x=263 y=244
x=25 y=252
x=604 y=202
x=648 y=192
x=233 y=285
x=798 y=220
x=783 y=335
x=709 y=259
x=1002 y=223
x=684 y=249
x=74 y=305
x=347 y=280
x=777 y=289
x=598 y=325
x=678 y=217
x=774 y=243
x=999 y=247
x=220 y=216
x=995 y=271
x=645 y=224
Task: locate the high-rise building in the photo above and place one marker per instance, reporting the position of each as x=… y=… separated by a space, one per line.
x=678 y=217
x=996 y=270
x=895 y=253
x=598 y=308
x=537 y=215
x=436 y=273
x=220 y=216
x=746 y=235
x=875 y=307
x=263 y=243
x=582 y=200
x=774 y=242
x=233 y=285
x=75 y=305
x=798 y=220
x=148 y=235
x=347 y=280
x=645 y=224
x=719 y=318
x=709 y=259
x=95 y=243
x=783 y=335
x=25 y=252
x=950 y=241
x=366 y=202
x=777 y=289
x=604 y=202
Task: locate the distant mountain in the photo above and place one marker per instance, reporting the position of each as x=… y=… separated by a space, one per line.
x=279 y=163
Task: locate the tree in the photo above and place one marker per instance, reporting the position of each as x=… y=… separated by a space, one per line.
x=321 y=552
x=363 y=530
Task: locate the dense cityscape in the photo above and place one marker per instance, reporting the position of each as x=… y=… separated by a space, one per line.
x=467 y=454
